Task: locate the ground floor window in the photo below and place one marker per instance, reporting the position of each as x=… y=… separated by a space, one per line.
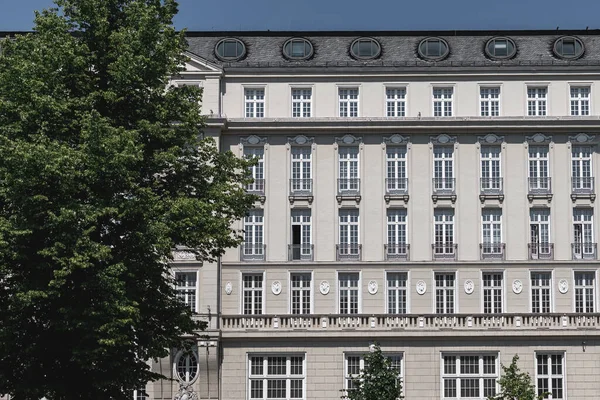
x=550 y=375
x=469 y=376
x=277 y=376
x=354 y=363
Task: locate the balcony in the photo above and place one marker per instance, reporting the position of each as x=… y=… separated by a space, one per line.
x=348 y=252
x=396 y=188
x=539 y=187
x=348 y=188
x=582 y=187
x=584 y=251
x=396 y=251
x=300 y=252
x=257 y=188
x=491 y=188
x=541 y=251
x=443 y=188
x=492 y=251
x=444 y=251
x=301 y=189
x=252 y=252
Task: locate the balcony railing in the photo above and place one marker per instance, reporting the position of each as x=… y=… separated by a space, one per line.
x=348 y=251
x=511 y=324
x=444 y=186
x=301 y=187
x=300 y=252
x=348 y=187
x=541 y=251
x=492 y=186
x=396 y=186
x=540 y=185
x=252 y=252
x=584 y=251
x=444 y=251
x=396 y=251
x=492 y=251
x=257 y=187
x=582 y=185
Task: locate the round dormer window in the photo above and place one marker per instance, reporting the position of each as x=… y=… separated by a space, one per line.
x=500 y=48
x=365 y=48
x=568 y=48
x=230 y=49
x=298 y=49
x=433 y=49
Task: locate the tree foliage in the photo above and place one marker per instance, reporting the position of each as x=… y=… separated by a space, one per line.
x=377 y=381
x=102 y=173
x=516 y=385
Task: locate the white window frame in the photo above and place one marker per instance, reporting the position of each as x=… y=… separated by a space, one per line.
x=395 y=101
x=350 y=97
x=443 y=101
x=254 y=233
x=551 y=377
x=396 y=290
x=582 y=167
x=357 y=288
x=140 y=394
x=489 y=101
x=257 y=170
x=349 y=169
x=538 y=167
x=396 y=158
x=580 y=100
x=350 y=219
x=542 y=218
x=301 y=290
x=494 y=289
x=397 y=228
x=583 y=232
x=399 y=359
x=537 y=101
x=458 y=376
x=535 y=286
x=490 y=157
x=302 y=102
x=581 y=289
x=177 y=358
x=256 y=291
x=491 y=230
x=443 y=168
x=301 y=168
x=443 y=218
x=255 y=102
x=303 y=217
x=265 y=377
x=186 y=293
x=444 y=291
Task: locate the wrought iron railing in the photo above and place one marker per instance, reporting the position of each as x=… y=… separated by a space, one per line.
x=348 y=186
x=396 y=251
x=252 y=252
x=396 y=185
x=540 y=185
x=492 y=251
x=582 y=185
x=300 y=252
x=444 y=251
x=584 y=251
x=492 y=186
x=301 y=187
x=541 y=251
x=443 y=186
x=348 y=251
x=256 y=187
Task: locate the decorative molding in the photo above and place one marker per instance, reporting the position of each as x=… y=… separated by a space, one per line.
x=396 y=140
x=563 y=286
x=517 y=286
x=490 y=138
x=582 y=138
x=469 y=286
x=253 y=140
x=443 y=139
x=324 y=287
x=373 y=287
x=538 y=138
x=301 y=140
x=421 y=287
x=228 y=288
x=186 y=392
x=348 y=140
x=276 y=287
x=183 y=255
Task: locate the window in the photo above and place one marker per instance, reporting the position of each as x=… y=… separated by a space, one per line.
x=442 y=102
x=580 y=100
x=395 y=100
x=469 y=376
x=396 y=233
x=397 y=292
x=348 y=170
x=230 y=49
x=186 y=365
x=253 y=246
x=348 y=246
x=348 y=292
x=581 y=169
x=568 y=47
x=277 y=377
x=584 y=292
x=444 y=292
x=301 y=103
x=583 y=233
x=301 y=293
x=252 y=294
x=443 y=232
x=348 y=100
x=140 y=394
x=539 y=227
x=397 y=182
x=255 y=103
x=536 y=101
x=489 y=101
x=491 y=181
x=301 y=169
x=301 y=235
x=539 y=180
x=298 y=49
x=491 y=229
x=443 y=169
x=500 y=48
x=356 y=363
x=541 y=283
x=492 y=292
x=550 y=376
x=185 y=284
x=257 y=170
x=365 y=48
x=433 y=49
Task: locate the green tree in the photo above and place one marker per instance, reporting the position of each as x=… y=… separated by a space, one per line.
x=377 y=381
x=515 y=385
x=102 y=172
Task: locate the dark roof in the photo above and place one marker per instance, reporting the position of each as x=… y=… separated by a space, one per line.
x=331 y=49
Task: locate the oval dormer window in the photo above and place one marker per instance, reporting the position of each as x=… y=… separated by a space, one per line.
x=186 y=366
x=568 y=48
x=433 y=49
x=298 y=49
x=500 y=48
x=365 y=48
x=230 y=49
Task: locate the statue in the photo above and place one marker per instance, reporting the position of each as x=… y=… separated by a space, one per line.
x=185 y=392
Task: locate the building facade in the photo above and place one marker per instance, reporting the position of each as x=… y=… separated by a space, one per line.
x=430 y=191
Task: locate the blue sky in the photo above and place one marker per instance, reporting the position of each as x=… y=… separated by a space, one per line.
x=355 y=14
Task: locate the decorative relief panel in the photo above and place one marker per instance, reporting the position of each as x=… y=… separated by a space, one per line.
x=538 y=138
